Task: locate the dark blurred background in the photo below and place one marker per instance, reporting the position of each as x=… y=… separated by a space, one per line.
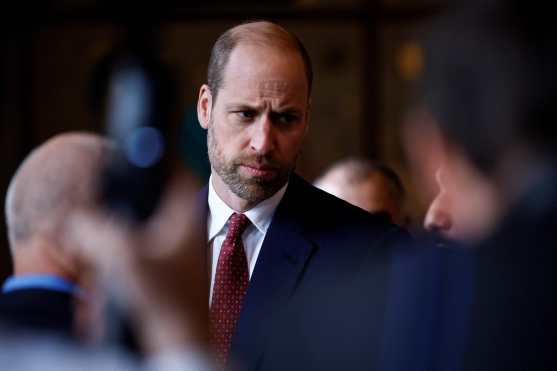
x=366 y=57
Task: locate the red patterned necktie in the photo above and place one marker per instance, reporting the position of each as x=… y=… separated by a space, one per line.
x=230 y=286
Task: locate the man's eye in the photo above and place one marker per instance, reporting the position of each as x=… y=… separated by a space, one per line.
x=285 y=118
x=246 y=115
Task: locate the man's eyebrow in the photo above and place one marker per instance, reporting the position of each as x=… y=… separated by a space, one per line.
x=240 y=106
x=288 y=109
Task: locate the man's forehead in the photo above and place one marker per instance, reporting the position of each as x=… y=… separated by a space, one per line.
x=265 y=69
x=264 y=85
x=289 y=90
x=273 y=87
x=251 y=90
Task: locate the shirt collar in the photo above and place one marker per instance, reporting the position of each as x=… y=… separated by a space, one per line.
x=260 y=215
x=40 y=281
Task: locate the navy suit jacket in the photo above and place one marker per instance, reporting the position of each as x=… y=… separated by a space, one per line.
x=428 y=313
x=37 y=310
x=317 y=295
x=491 y=307
x=514 y=311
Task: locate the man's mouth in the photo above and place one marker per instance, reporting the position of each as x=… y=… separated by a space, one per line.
x=260 y=171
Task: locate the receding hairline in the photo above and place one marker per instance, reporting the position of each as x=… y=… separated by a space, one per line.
x=262 y=32
x=259 y=33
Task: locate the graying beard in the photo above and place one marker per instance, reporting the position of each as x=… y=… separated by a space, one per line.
x=254 y=192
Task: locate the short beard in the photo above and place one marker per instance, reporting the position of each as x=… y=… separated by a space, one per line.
x=253 y=189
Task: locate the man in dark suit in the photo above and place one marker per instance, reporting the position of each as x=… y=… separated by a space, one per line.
x=297 y=276
x=49 y=277
x=490 y=85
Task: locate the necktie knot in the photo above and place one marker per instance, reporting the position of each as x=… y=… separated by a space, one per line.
x=236 y=226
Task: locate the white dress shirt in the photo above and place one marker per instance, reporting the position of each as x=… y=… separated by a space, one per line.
x=260 y=217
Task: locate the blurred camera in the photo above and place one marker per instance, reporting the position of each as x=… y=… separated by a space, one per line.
x=134 y=94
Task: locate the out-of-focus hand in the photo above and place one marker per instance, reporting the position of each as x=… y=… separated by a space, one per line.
x=158 y=270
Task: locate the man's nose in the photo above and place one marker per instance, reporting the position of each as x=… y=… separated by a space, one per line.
x=263 y=136
x=438 y=219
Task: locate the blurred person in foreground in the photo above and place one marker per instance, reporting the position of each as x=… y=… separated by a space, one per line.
x=371 y=186
x=50 y=280
x=288 y=262
x=154 y=269
x=490 y=86
x=156 y=272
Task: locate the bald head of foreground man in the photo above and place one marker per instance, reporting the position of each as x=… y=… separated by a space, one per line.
x=55 y=180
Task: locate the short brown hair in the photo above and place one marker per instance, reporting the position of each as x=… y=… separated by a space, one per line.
x=244 y=32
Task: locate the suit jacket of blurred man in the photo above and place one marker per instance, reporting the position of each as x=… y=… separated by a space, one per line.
x=427 y=319
x=490 y=307
x=37 y=310
x=513 y=314
x=316 y=298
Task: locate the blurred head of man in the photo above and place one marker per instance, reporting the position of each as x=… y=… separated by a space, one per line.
x=461 y=218
x=489 y=120
x=373 y=187
x=55 y=180
x=255 y=107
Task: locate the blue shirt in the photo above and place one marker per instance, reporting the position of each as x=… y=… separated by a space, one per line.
x=40 y=281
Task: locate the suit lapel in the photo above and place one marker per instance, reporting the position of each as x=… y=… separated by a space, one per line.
x=284 y=254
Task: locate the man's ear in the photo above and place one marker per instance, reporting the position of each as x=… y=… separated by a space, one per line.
x=204 y=106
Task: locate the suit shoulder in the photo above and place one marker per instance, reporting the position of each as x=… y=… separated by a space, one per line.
x=323 y=211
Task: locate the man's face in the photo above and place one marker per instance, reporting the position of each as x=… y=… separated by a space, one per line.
x=464 y=202
x=379 y=197
x=372 y=194
x=465 y=208
x=257 y=123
